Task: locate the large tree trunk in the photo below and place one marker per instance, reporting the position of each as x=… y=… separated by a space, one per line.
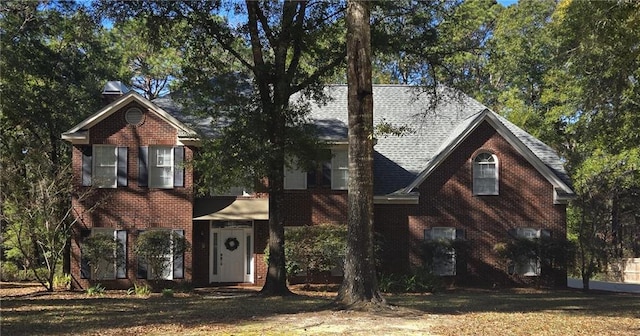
x=276 y=278
x=359 y=288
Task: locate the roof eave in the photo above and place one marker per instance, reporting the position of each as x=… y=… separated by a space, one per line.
x=121 y=102
x=561 y=197
x=399 y=198
x=80 y=137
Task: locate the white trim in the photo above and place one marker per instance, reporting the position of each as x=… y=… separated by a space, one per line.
x=294 y=178
x=248 y=271
x=96 y=166
x=339 y=168
x=156 y=170
x=411 y=198
x=79 y=133
x=477 y=170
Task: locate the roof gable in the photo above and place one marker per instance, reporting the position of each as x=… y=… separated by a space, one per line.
x=401 y=163
x=80 y=132
x=538 y=154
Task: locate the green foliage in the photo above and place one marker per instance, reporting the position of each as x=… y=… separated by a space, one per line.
x=433 y=250
x=10 y=272
x=419 y=281
x=150 y=53
x=156 y=248
x=139 y=290
x=62 y=281
x=552 y=253
x=39 y=219
x=50 y=49
x=102 y=251
x=167 y=292
x=96 y=289
x=314 y=249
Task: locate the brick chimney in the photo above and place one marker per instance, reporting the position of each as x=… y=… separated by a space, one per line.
x=112 y=91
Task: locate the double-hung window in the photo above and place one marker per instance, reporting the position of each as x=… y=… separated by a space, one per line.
x=444 y=254
x=161 y=167
x=339 y=170
x=171 y=264
x=527 y=265
x=485 y=174
x=113 y=265
x=295 y=178
x=104 y=166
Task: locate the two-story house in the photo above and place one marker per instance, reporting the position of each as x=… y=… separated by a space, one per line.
x=459 y=172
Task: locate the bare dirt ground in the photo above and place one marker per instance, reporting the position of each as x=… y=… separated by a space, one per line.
x=308 y=313
x=26 y=310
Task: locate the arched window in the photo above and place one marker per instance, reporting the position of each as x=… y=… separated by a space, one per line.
x=485 y=174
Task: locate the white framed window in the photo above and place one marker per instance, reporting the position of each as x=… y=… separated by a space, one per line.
x=105 y=166
x=117 y=269
x=339 y=169
x=173 y=265
x=295 y=178
x=161 y=167
x=527 y=266
x=444 y=259
x=485 y=174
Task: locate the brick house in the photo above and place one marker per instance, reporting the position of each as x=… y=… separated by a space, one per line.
x=460 y=173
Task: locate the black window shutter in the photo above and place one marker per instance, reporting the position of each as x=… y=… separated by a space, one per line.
x=545 y=233
x=85 y=268
x=178 y=259
x=121 y=270
x=178 y=166
x=141 y=272
x=122 y=166
x=427 y=234
x=86 y=166
x=459 y=234
x=143 y=166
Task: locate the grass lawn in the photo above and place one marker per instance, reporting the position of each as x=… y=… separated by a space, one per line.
x=25 y=310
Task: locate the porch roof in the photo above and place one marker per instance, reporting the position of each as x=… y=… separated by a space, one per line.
x=231 y=209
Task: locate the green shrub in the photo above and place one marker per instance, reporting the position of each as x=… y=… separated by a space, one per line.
x=167 y=292
x=62 y=281
x=419 y=281
x=139 y=290
x=99 y=250
x=10 y=271
x=313 y=248
x=97 y=289
x=153 y=246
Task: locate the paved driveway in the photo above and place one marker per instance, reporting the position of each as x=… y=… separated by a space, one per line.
x=606 y=286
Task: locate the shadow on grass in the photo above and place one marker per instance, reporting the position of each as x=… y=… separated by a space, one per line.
x=514 y=301
x=80 y=314
x=76 y=313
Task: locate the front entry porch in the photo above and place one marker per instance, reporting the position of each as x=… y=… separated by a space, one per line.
x=231 y=254
x=225 y=233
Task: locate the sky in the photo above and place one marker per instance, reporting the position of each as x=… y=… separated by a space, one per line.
x=506 y=3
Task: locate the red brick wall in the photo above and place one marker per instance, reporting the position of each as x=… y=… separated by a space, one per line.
x=446 y=199
x=315 y=206
x=132 y=207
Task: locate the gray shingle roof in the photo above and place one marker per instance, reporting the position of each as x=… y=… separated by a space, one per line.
x=201 y=125
x=399 y=160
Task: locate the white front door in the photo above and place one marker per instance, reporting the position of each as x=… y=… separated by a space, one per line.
x=231 y=255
